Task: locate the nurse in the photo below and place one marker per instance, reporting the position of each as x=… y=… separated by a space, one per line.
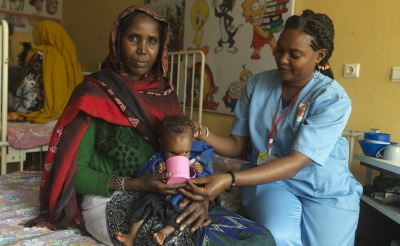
x=289 y=122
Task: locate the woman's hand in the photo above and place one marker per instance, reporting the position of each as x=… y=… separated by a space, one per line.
x=154 y=182
x=195 y=215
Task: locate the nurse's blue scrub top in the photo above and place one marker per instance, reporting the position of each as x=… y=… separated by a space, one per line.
x=313 y=126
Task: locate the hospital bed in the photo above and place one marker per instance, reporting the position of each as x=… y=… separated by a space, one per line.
x=17 y=138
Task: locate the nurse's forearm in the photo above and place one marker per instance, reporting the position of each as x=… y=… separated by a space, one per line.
x=282 y=168
x=230 y=146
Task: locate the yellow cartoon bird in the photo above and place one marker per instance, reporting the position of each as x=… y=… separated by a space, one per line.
x=199 y=16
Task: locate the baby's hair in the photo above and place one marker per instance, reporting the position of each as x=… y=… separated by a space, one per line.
x=176 y=125
x=320 y=28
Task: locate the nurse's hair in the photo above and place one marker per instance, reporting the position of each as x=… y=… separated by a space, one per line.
x=320 y=28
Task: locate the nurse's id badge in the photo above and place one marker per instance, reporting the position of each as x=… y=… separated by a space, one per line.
x=264 y=157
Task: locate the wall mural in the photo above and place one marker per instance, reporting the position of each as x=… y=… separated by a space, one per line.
x=237 y=37
x=174 y=12
x=22 y=15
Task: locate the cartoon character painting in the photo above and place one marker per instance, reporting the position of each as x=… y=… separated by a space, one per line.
x=51 y=6
x=209 y=88
x=199 y=16
x=266 y=19
x=38 y=4
x=235 y=88
x=245 y=74
x=227 y=29
x=175 y=15
x=232 y=95
x=18 y=5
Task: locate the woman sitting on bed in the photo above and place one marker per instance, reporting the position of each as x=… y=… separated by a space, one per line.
x=53 y=71
x=107 y=132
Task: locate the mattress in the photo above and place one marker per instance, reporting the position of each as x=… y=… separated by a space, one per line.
x=19 y=202
x=26 y=135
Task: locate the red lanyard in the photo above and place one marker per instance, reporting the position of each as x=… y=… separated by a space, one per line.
x=276 y=122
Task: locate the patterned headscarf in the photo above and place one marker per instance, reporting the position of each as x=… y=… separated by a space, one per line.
x=155 y=83
x=114 y=59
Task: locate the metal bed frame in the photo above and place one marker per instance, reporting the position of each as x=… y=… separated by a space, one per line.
x=187 y=74
x=8 y=153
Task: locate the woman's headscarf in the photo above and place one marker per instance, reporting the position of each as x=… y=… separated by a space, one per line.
x=155 y=82
x=114 y=59
x=61 y=69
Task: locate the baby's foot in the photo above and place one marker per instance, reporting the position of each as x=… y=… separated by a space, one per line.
x=160 y=236
x=123 y=238
x=129 y=239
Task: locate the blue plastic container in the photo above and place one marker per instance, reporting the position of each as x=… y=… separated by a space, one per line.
x=382 y=137
x=371 y=149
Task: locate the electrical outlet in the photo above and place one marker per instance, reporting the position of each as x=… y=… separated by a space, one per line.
x=351 y=70
x=395 y=74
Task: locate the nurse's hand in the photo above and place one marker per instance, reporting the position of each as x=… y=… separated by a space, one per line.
x=194 y=215
x=206 y=188
x=197 y=128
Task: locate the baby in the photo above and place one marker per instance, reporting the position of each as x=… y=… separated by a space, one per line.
x=176 y=139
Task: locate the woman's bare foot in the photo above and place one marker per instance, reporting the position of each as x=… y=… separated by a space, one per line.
x=128 y=239
x=160 y=236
